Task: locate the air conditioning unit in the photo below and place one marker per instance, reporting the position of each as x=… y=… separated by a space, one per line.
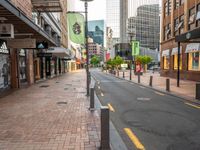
x=6 y=31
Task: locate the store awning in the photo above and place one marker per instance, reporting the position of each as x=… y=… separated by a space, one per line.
x=175 y=50
x=192 y=47
x=59 y=52
x=165 y=53
x=47 y=5
x=24 y=27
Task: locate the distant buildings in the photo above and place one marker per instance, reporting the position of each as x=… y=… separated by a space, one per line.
x=180 y=18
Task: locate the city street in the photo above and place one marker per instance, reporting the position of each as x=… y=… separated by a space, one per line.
x=147 y=119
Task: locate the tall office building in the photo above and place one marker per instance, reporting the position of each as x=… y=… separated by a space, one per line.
x=145 y=27
x=112 y=17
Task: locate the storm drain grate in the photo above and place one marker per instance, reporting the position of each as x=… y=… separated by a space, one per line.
x=44 y=86
x=62 y=103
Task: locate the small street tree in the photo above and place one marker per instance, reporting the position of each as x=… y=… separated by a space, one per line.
x=117 y=61
x=95 y=60
x=144 y=60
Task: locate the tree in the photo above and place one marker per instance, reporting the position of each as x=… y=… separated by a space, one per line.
x=95 y=60
x=144 y=60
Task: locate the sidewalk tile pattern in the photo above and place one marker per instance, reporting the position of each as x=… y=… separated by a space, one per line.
x=51 y=115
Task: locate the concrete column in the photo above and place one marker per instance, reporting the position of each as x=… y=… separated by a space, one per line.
x=30 y=67
x=14 y=68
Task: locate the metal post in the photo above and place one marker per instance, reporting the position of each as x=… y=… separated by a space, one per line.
x=151 y=80
x=123 y=75
x=86 y=46
x=105 y=129
x=178 y=71
x=198 y=91
x=131 y=63
x=138 y=77
x=92 y=98
x=168 y=85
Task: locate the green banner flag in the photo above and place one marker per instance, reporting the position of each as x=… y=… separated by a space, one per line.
x=135 y=48
x=76 y=28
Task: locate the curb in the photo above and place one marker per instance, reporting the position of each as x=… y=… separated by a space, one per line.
x=194 y=101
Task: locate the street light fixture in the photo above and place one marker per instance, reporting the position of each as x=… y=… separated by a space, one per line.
x=86 y=43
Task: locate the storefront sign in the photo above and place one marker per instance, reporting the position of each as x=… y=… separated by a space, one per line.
x=21 y=43
x=175 y=50
x=3 y=48
x=44 y=55
x=193 y=47
x=165 y=53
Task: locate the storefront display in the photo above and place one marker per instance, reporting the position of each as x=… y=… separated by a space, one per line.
x=4 y=67
x=22 y=65
x=194 y=61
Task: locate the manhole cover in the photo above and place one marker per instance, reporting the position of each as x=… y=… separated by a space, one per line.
x=44 y=86
x=62 y=103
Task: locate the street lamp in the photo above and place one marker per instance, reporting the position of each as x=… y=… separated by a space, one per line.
x=86 y=43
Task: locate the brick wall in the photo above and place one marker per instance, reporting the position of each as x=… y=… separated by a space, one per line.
x=25 y=6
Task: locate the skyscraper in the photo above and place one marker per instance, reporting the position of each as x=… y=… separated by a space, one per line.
x=112 y=17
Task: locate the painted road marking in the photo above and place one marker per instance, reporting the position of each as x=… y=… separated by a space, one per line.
x=102 y=94
x=134 y=139
x=192 y=105
x=159 y=93
x=111 y=108
x=142 y=87
x=143 y=99
x=98 y=87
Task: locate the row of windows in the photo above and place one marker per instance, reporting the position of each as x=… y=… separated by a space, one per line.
x=193 y=62
x=168 y=6
x=193 y=22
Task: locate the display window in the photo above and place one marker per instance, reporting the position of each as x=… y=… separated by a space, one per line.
x=194 y=61
x=176 y=62
x=166 y=61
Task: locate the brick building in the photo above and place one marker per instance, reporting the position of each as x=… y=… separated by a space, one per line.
x=178 y=18
x=36 y=23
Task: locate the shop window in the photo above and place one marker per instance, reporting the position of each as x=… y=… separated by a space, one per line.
x=166 y=61
x=194 y=61
x=191 y=23
x=176 y=62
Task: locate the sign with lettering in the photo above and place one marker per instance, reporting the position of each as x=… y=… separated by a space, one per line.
x=21 y=43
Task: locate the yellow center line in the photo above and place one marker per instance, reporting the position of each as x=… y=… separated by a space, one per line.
x=160 y=93
x=98 y=87
x=134 y=139
x=111 y=108
x=192 y=105
x=102 y=94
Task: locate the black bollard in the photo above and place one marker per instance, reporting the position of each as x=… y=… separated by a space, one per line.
x=198 y=91
x=151 y=81
x=168 y=85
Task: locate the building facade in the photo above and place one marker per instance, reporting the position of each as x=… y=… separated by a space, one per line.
x=33 y=27
x=145 y=27
x=179 y=17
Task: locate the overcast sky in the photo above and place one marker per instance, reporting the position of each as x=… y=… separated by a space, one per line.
x=96 y=8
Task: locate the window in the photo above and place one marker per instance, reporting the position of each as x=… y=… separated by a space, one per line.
x=176 y=62
x=182 y=2
x=168 y=8
x=181 y=24
x=194 y=61
x=166 y=61
x=167 y=31
x=176 y=4
x=198 y=16
x=176 y=25
x=191 y=23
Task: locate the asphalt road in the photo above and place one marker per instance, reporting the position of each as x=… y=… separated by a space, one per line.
x=146 y=119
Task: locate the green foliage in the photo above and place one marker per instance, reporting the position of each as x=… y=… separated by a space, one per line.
x=114 y=63
x=95 y=60
x=144 y=59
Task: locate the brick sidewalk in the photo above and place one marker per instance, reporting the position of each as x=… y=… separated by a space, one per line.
x=186 y=89
x=35 y=118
